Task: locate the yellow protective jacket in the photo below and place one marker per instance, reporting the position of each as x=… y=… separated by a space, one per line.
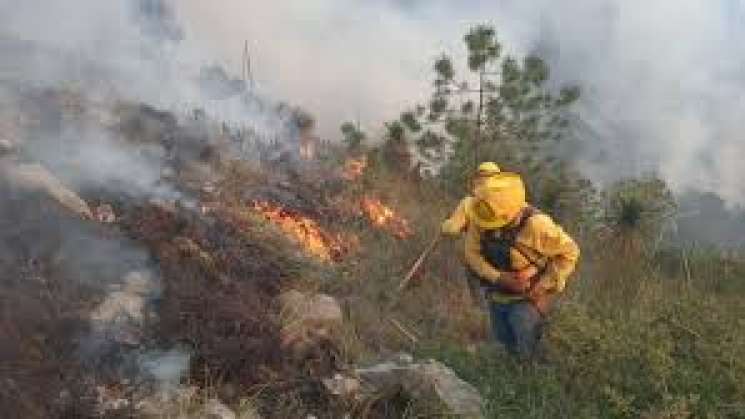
x=542 y=240
x=458 y=220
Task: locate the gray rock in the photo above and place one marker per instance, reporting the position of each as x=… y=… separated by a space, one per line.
x=122 y=314
x=341 y=386
x=215 y=409
x=383 y=376
x=105 y=214
x=34 y=177
x=6 y=146
x=430 y=382
x=435 y=382
x=308 y=318
x=404 y=359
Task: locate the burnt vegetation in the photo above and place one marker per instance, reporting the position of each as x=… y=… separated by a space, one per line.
x=225 y=223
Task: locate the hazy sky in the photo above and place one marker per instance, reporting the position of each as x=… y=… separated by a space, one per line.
x=337 y=58
x=664 y=80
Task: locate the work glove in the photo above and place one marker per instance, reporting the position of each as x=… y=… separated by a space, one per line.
x=542 y=297
x=517 y=282
x=526 y=274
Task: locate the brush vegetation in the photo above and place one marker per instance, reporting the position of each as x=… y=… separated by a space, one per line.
x=649 y=326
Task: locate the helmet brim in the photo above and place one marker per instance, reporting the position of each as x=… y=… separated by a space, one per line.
x=481 y=222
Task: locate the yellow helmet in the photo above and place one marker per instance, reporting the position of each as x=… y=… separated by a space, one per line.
x=487 y=168
x=497 y=201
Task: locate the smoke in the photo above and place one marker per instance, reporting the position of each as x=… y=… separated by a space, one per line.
x=341 y=60
x=662 y=81
x=134 y=49
x=111 y=52
x=92 y=159
x=72 y=72
x=167 y=367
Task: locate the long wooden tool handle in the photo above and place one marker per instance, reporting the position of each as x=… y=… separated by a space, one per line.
x=415 y=268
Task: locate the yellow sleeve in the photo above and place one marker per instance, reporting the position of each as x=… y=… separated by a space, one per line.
x=458 y=220
x=549 y=240
x=474 y=259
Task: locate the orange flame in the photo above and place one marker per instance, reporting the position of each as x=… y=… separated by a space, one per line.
x=385 y=218
x=302 y=230
x=354 y=168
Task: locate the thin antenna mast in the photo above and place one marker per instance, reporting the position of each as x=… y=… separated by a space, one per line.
x=246 y=72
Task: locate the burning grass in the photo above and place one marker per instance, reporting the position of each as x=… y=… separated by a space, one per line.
x=218 y=293
x=354 y=168
x=222 y=271
x=385 y=218
x=304 y=231
x=222 y=274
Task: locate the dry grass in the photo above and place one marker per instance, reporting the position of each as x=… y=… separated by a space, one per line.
x=42 y=312
x=656 y=336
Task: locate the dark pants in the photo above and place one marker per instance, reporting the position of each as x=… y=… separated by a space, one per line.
x=518 y=326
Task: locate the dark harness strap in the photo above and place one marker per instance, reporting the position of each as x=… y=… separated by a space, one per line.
x=496 y=246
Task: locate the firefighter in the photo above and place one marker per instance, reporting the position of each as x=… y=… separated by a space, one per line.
x=521 y=257
x=458 y=221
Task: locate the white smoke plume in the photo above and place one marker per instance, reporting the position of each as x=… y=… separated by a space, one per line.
x=662 y=80
x=103 y=55
x=167 y=367
x=109 y=52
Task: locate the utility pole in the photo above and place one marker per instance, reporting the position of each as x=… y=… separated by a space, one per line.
x=246 y=72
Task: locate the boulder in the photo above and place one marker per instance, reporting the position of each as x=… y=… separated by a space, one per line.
x=154 y=402
x=185 y=403
x=433 y=381
x=308 y=319
x=6 y=146
x=120 y=305
x=34 y=177
x=430 y=382
x=104 y=214
x=121 y=315
x=343 y=387
x=215 y=409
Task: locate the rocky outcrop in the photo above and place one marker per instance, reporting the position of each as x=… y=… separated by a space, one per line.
x=6 y=146
x=35 y=178
x=121 y=316
x=104 y=214
x=215 y=409
x=430 y=383
x=308 y=319
x=188 y=403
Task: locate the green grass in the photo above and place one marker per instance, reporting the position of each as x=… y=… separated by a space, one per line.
x=681 y=356
x=656 y=336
